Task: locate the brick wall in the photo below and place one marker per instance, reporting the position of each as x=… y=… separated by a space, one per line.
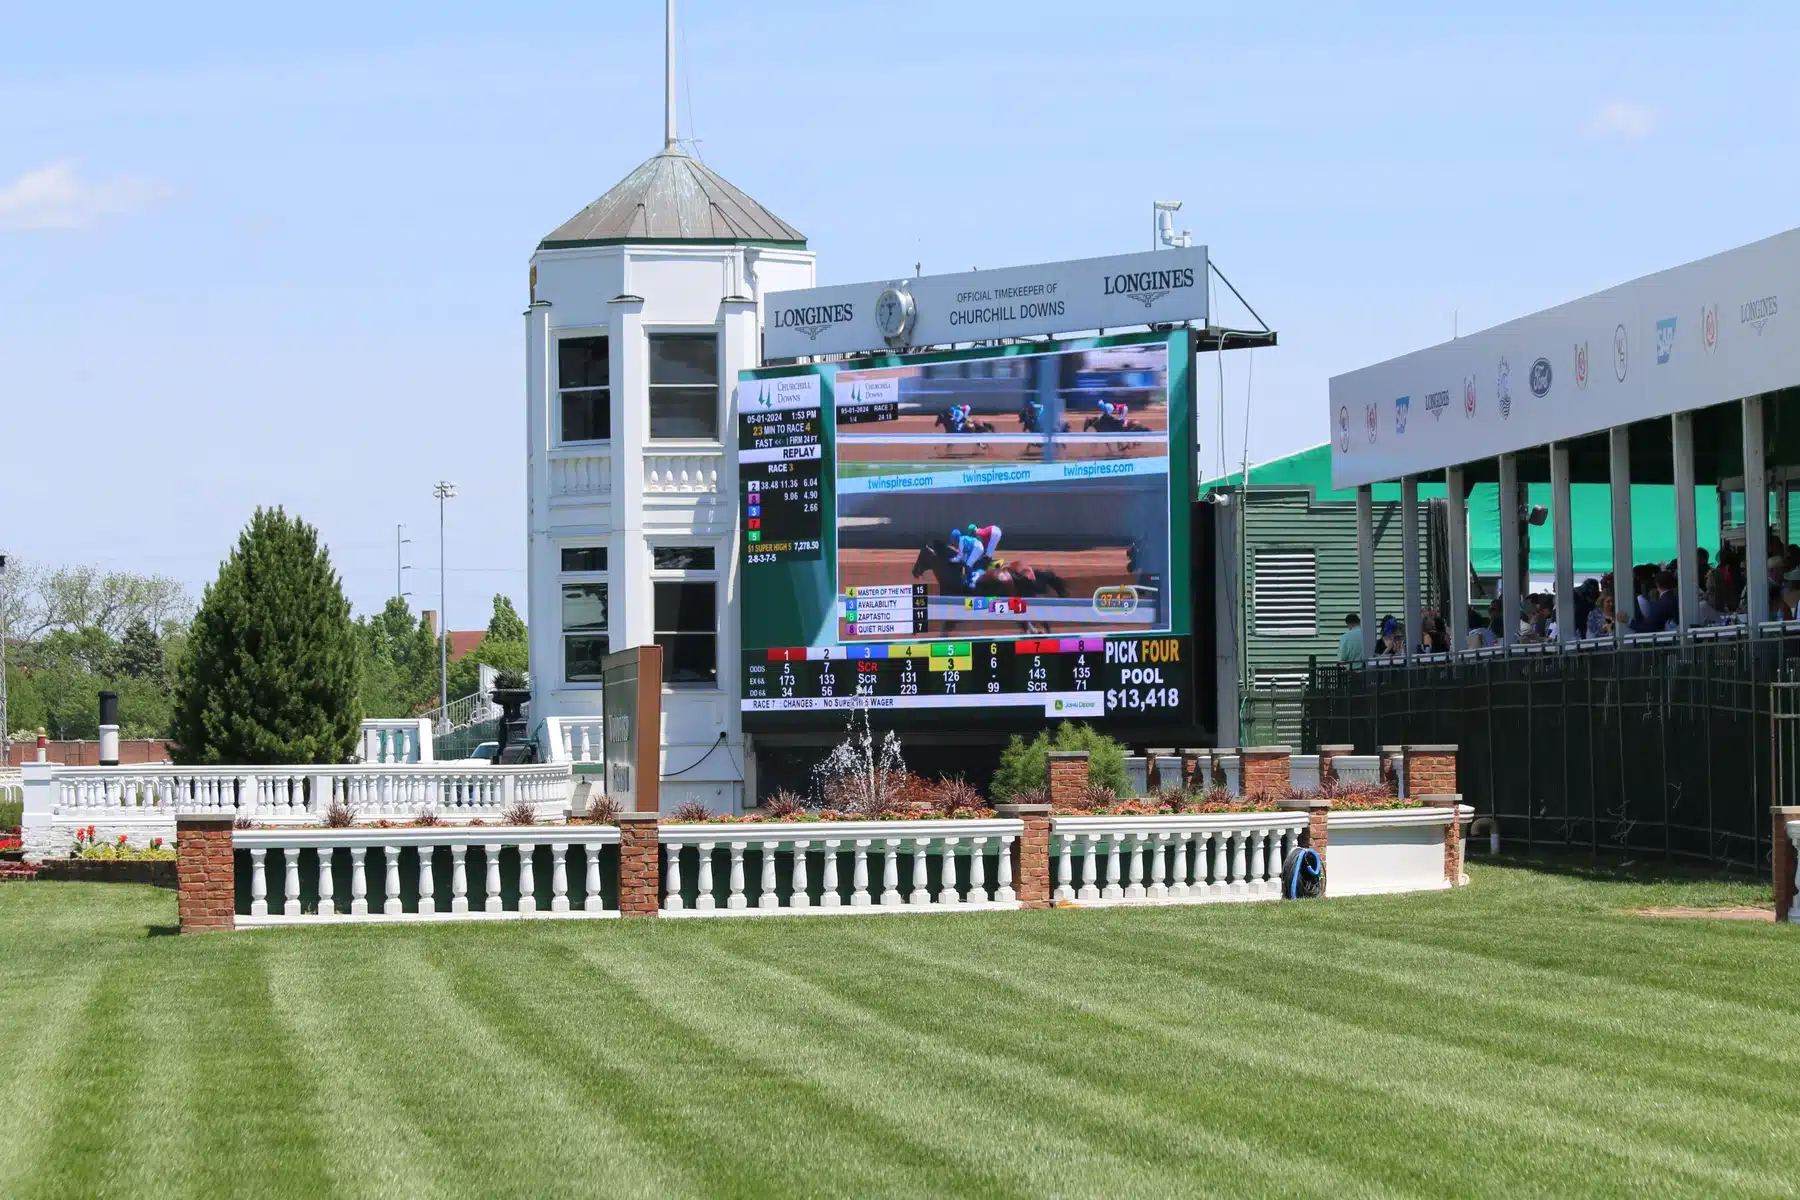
x=1783 y=861
x=1031 y=851
x=1264 y=770
x=640 y=865
x=1068 y=777
x=1430 y=770
x=1326 y=754
x=132 y=752
x=1453 y=843
x=205 y=872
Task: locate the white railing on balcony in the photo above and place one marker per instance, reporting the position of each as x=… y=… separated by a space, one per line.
x=838 y=867
x=581 y=475
x=324 y=875
x=682 y=472
x=1180 y=859
x=574 y=739
x=304 y=793
x=396 y=740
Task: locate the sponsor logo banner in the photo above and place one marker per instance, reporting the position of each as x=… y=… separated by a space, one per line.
x=1116 y=292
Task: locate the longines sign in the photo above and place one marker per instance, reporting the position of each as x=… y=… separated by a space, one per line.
x=1157 y=287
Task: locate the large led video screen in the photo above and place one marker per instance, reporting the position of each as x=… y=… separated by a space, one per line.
x=994 y=536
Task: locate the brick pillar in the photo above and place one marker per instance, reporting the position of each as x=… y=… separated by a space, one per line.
x=1264 y=771
x=1453 y=842
x=1393 y=759
x=1157 y=782
x=1317 y=833
x=640 y=864
x=205 y=872
x=1068 y=770
x=1785 y=908
x=1326 y=754
x=1430 y=770
x=1031 y=851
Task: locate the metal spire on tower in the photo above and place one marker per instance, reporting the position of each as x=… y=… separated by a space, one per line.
x=669 y=78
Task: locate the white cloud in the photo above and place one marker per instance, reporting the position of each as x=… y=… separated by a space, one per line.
x=1622 y=119
x=57 y=197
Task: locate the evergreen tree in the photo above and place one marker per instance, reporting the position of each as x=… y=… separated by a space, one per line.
x=270 y=670
x=505 y=625
x=141 y=651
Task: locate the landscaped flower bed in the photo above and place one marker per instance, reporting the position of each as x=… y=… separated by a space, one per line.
x=89 y=846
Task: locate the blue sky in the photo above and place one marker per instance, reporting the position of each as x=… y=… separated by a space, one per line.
x=277 y=254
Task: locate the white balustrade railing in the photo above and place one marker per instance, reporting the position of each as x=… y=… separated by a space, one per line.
x=304 y=793
x=575 y=739
x=682 y=472
x=1357 y=768
x=580 y=475
x=1178 y=859
x=1231 y=767
x=324 y=875
x=838 y=867
x=396 y=740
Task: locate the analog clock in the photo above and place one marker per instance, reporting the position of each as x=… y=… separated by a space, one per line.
x=894 y=315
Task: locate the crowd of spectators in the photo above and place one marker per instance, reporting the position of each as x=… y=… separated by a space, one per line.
x=1653 y=605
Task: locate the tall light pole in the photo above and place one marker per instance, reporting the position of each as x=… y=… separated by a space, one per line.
x=5 y=726
x=443 y=491
x=400 y=568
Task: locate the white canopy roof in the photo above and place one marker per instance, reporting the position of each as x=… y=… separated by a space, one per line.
x=1696 y=335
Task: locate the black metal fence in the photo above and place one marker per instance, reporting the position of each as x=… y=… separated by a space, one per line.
x=1663 y=750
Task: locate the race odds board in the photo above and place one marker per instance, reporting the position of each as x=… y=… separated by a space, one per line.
x=779 y=455
x=1049 y=677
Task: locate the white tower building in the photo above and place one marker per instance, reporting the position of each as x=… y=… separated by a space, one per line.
x=644 y=306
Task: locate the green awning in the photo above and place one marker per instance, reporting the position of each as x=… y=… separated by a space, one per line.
x=1652 y=514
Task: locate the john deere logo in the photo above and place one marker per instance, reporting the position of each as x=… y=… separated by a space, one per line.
x=1059 y=706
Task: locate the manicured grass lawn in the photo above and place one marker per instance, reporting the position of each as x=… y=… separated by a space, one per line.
x=1522 y=1036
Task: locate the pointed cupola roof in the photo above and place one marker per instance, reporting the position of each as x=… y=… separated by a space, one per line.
x=673 y=197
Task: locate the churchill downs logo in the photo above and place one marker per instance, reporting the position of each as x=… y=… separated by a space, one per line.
x=814 y=319
x=1147 y=287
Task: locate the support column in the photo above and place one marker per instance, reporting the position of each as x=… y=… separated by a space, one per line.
x=1756 y=516
x=1687 y=577
x=205 y=872
x=640 y=864
x=1365 y=566
x=1512 y=574
x=1030 y=853
x=1409 y=568
x=1563 y=528
x=1458 y=531
x=1618 y=451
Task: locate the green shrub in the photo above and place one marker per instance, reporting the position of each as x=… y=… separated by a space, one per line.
x=11 y=813
x=1023 y=767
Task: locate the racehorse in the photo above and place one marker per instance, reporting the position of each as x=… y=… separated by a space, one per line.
x=1012 y=579
x=1101 y=423
x=943 y=422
